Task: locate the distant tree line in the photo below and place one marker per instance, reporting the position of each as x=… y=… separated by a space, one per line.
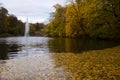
x=37 y=29
x=9 y=24
x=86 y=18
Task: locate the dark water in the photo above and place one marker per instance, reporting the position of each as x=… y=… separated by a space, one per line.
x=15 y=47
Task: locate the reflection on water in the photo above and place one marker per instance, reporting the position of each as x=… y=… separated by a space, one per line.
x=3 y=51
x=79 y=45
x=15 y=47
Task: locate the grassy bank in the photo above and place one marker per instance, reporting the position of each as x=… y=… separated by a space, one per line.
x=91 y=65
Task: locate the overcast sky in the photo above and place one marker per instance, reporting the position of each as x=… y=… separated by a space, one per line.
x=35 y=10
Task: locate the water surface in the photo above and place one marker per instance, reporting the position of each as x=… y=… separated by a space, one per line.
x=15 y=47
x=44 y=58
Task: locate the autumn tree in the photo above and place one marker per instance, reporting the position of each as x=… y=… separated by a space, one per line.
x=86 y=18
x=56 y=27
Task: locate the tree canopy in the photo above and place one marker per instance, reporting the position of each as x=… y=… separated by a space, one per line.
x=86 y=18
x=9 y=24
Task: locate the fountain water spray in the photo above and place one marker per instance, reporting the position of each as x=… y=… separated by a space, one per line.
x=26 y=28
x=26 y=37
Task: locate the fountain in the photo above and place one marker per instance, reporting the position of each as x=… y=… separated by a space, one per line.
x=26 y=37
x=27 y=28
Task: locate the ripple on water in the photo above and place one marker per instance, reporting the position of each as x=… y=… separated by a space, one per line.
x=40 y=67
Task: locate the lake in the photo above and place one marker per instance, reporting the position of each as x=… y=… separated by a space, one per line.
x=15 y=47
x=42 y=58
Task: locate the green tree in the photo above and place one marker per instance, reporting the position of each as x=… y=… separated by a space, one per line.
x=3 y=20
x=56 y=27
x=12 y=24
x=9 y=24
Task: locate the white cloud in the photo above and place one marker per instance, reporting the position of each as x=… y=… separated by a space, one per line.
x=35 y=10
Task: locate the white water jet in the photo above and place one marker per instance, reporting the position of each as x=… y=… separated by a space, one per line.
x=26 y=37
x=27 y=28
